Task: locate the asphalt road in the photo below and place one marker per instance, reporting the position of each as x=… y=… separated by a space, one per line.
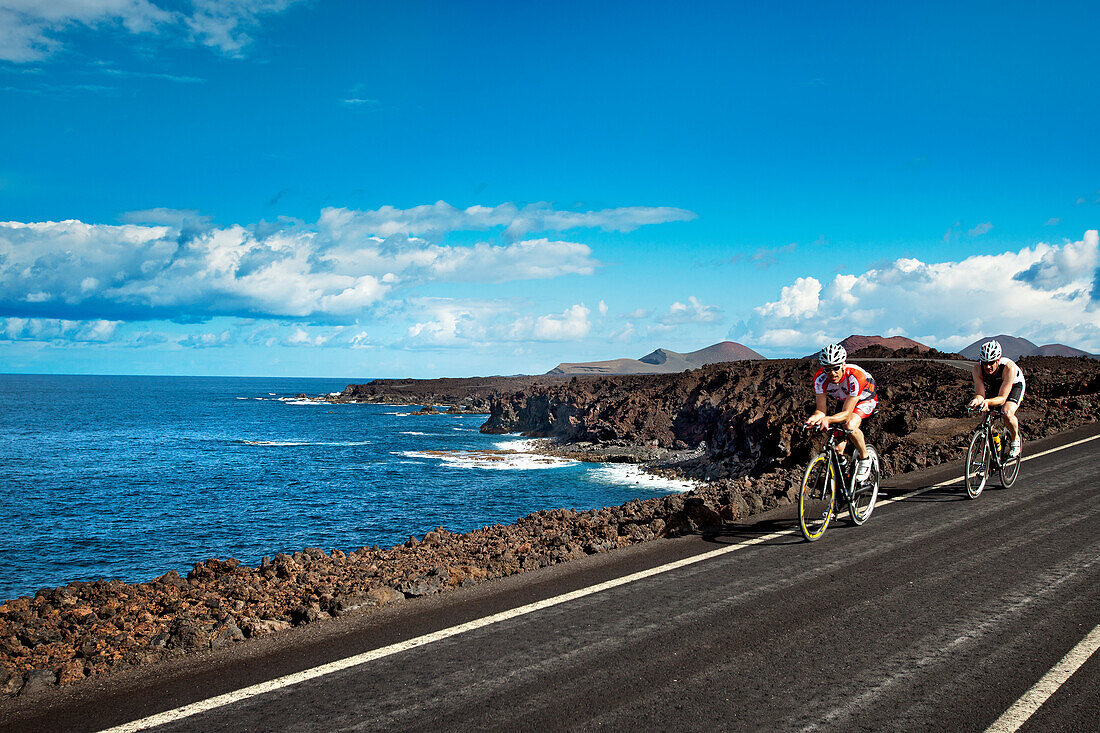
x=938 y=614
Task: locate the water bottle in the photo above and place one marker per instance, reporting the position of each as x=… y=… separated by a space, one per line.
x=997 y=442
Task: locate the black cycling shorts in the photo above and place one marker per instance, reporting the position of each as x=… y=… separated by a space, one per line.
x=1016 y=394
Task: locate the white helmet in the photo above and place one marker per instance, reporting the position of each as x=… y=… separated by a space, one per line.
x=991 y=351
x=832 y=355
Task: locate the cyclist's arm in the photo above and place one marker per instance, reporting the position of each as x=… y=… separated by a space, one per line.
x=818 y=418
x=845 y=410
x=1006 y=387
x=979 y=386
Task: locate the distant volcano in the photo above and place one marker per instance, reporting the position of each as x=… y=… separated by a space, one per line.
x=1013 y=348
x=662 y=361
x=893 y=343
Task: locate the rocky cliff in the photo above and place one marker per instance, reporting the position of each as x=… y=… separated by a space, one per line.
x=744 y=415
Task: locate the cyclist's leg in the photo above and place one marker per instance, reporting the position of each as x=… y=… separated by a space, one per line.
x=861 y=412
x=1009 y=412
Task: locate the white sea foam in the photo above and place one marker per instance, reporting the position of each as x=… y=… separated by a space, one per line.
x=412 y=432
x=626 y=474
x=278 y=443
x=399 y=414
x=301 y=401
x=522 y=445
x=490 y=459
x=466 y=430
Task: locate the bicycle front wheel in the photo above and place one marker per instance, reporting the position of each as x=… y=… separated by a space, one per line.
x=1010 y=469
x=817 y=499
x=977 y=464
x=865 y=495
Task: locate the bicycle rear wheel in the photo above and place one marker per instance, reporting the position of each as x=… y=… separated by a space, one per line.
x=864 y=496
x=817 y=499
x=977 y=464
x=1010 y=469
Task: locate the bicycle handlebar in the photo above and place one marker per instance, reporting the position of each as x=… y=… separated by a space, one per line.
x=824 y=428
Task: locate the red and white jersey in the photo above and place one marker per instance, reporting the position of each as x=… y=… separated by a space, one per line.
x=856 y=381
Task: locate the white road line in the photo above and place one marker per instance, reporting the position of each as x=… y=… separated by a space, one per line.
x=278 y=683
x=342 y=664
x=1034 y=698
x=941 y=484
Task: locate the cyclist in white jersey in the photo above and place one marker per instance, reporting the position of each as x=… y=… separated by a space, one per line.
x=1000 y=377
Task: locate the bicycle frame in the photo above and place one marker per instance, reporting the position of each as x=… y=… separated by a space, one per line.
x=847 y=476
x=991 y=458
x=987 y=425
x=836 y=487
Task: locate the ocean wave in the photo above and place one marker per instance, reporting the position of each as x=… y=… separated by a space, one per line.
x=521 y=445
x=399 y=414
x=489 y=459
x=625 y=474
x=413 y=432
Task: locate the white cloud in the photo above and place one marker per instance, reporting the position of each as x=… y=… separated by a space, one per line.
x=434 y=220
x=624 y=334
x=797 y=300
x=602 y=308
x=691 y=312
x=186 y=270
x=1040 y=292
x=31 y=30
x=981 y=229
x=57 y=330
x=1061 y=266
x=445 y=323
x=571 y=325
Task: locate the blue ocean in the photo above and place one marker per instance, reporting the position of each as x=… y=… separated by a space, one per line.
x=129 y=477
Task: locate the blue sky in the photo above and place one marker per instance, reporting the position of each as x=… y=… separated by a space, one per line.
x=354 y=189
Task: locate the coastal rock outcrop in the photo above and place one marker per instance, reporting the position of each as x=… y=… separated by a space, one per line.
x=745 y=415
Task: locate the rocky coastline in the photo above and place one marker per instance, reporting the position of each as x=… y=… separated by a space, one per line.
x=465 y=395
x=731 y=427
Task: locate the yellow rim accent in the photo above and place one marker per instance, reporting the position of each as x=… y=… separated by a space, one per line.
x=811 y=536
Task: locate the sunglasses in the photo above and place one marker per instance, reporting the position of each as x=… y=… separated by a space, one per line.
x=834 y=369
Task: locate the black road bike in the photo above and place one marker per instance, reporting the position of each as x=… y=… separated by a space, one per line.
x=989 y=452
x=830 y=486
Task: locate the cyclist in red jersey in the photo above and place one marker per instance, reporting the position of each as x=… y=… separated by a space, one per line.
x=855 y=389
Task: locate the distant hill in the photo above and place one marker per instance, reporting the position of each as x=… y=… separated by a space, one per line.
x=1059 y=350
x=1014 y=348
x=880 y=346
x=661 y=361
x=1011 y=347
x=893 y=343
